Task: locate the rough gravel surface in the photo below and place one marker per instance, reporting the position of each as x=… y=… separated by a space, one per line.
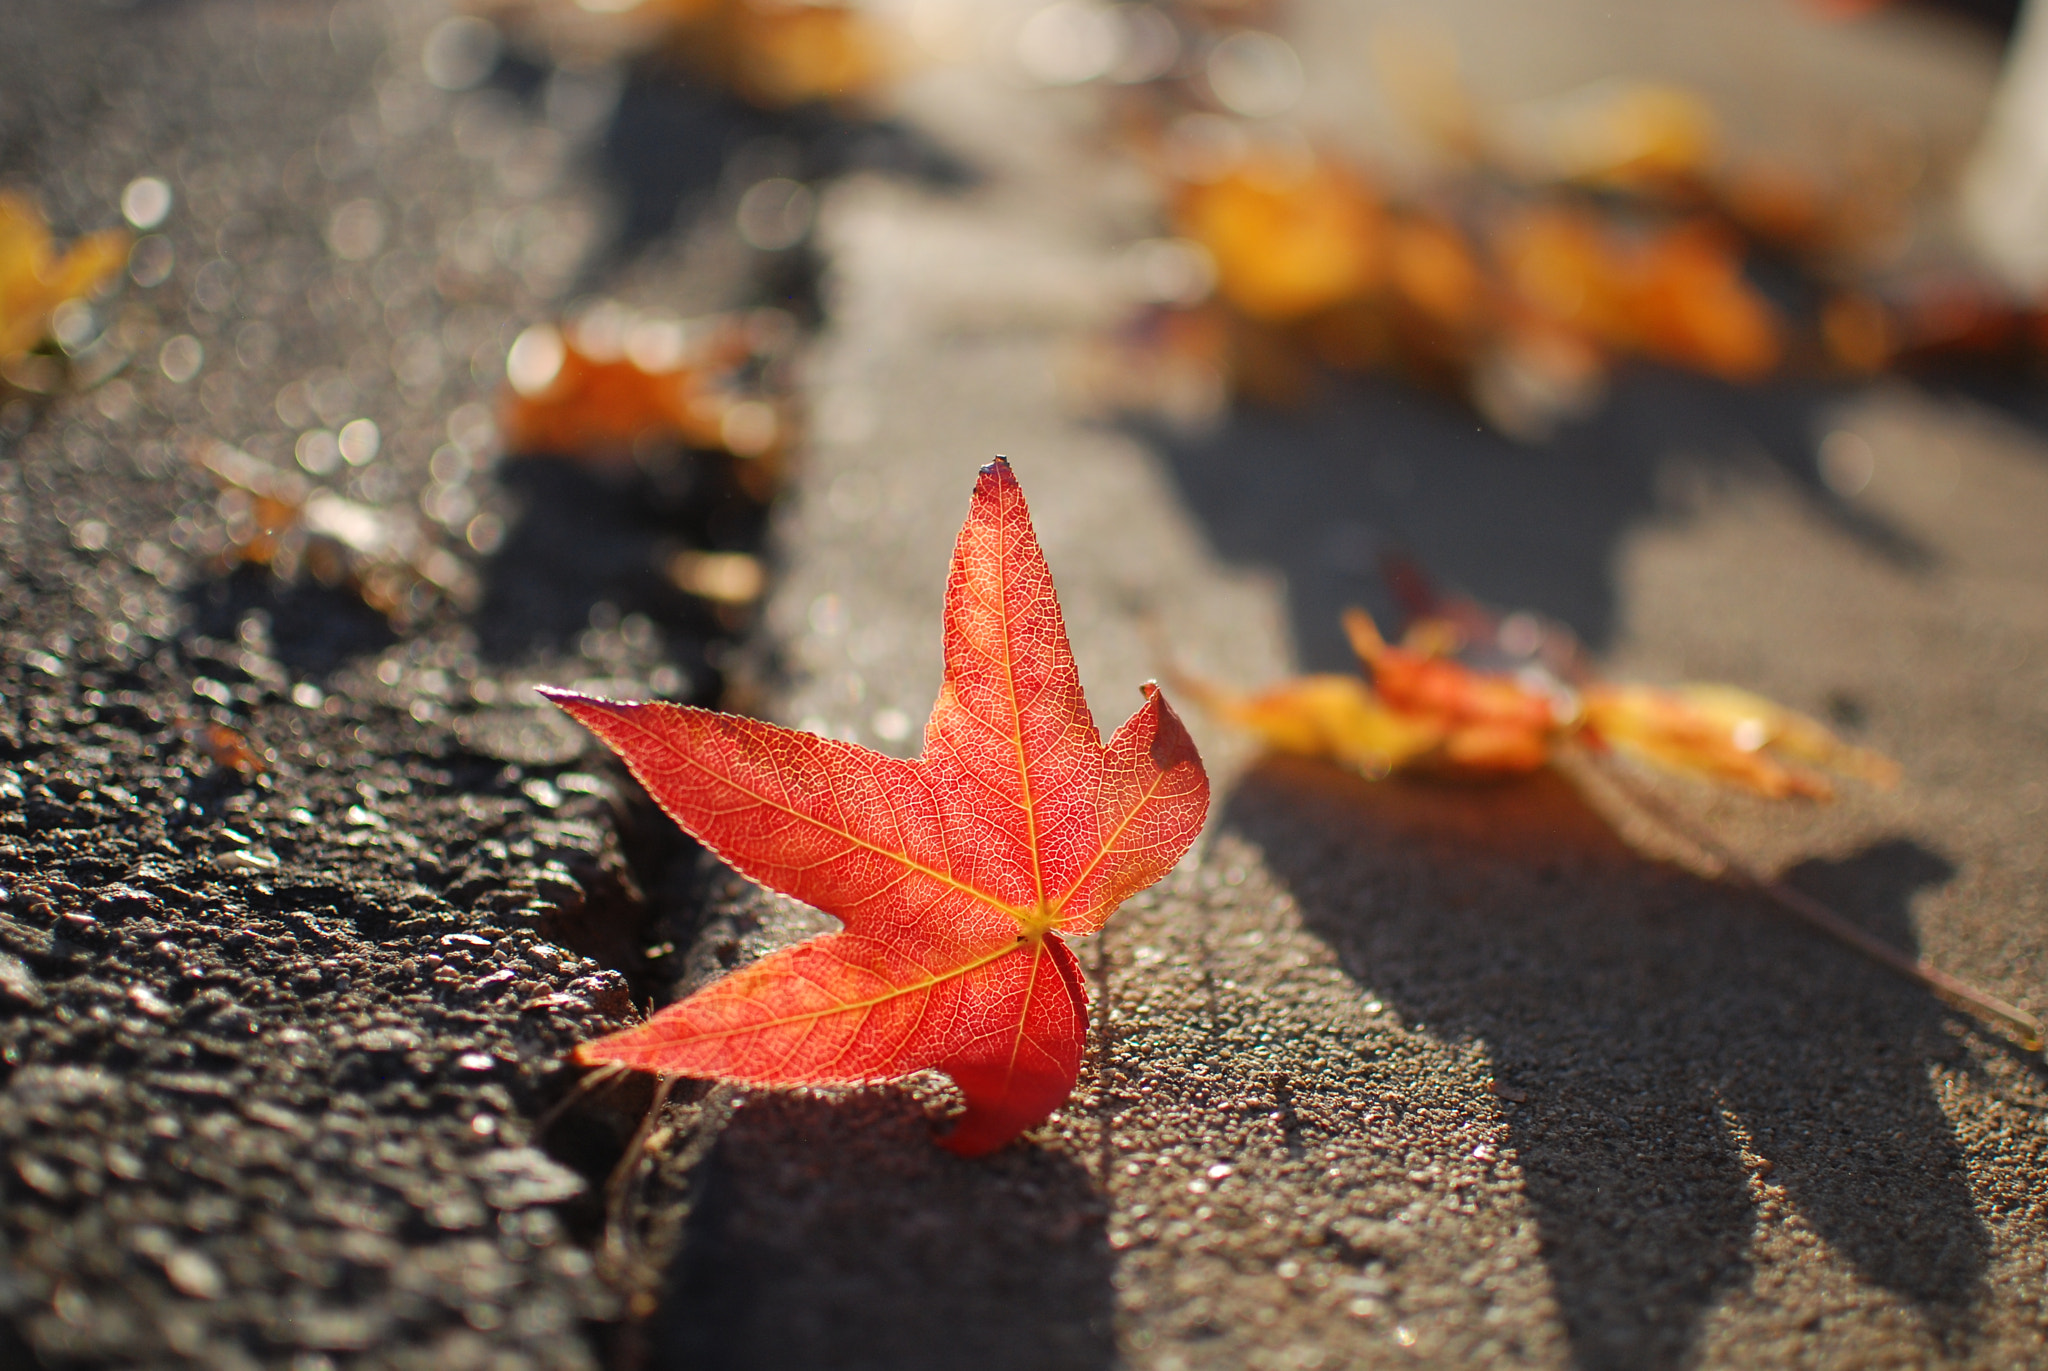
x=302 y=903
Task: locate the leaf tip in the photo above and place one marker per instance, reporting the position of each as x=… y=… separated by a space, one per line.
x=584 y=1055
x=1171 y=743
x=577 y=704
x=998 y=473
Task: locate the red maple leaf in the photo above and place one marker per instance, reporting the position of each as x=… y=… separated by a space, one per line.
x=956 y=875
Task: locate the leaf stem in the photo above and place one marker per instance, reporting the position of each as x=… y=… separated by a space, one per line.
x=1105 y=1158
x=592 y=1081
x=619 y=1186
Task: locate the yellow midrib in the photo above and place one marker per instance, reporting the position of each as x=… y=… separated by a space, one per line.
x=1017 y=739
x=1024 y=1014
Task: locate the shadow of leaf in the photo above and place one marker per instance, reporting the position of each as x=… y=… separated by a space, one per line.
x=1841 y=1140
x=590 y=531
x=313 y=629
x=1374 y=465
x=834 y=1234
x=1666 y=1038
x=673 y=139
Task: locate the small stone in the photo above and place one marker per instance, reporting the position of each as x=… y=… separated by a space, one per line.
x=607 y=991
x=149 y=1002
x=194 y=1274
x=524 y=736
x=42 y=1177
x=18 y=984
x=35 y=1086
x=457 y=1212
x=337 y=1330
x=278 y=1117
x=517 y=1177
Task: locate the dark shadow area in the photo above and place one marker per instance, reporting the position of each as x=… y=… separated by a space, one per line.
x=591 y=531
x=832 y=1236
x=2008 y=387
x=1845 y=1143
x=674 y=140
x=1647 y=1020
x=1375 y=465
x=312 y=629
x=1999 y=16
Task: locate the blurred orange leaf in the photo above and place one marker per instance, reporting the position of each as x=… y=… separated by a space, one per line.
x=1423 y=709
x=35 y=278
x=779 y=53
x=1679 y=295
x=773 y=53
x=1435 y=271
x=1287 y=241
x=570 y=397
x=1727 y=735
x=1693 y=306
